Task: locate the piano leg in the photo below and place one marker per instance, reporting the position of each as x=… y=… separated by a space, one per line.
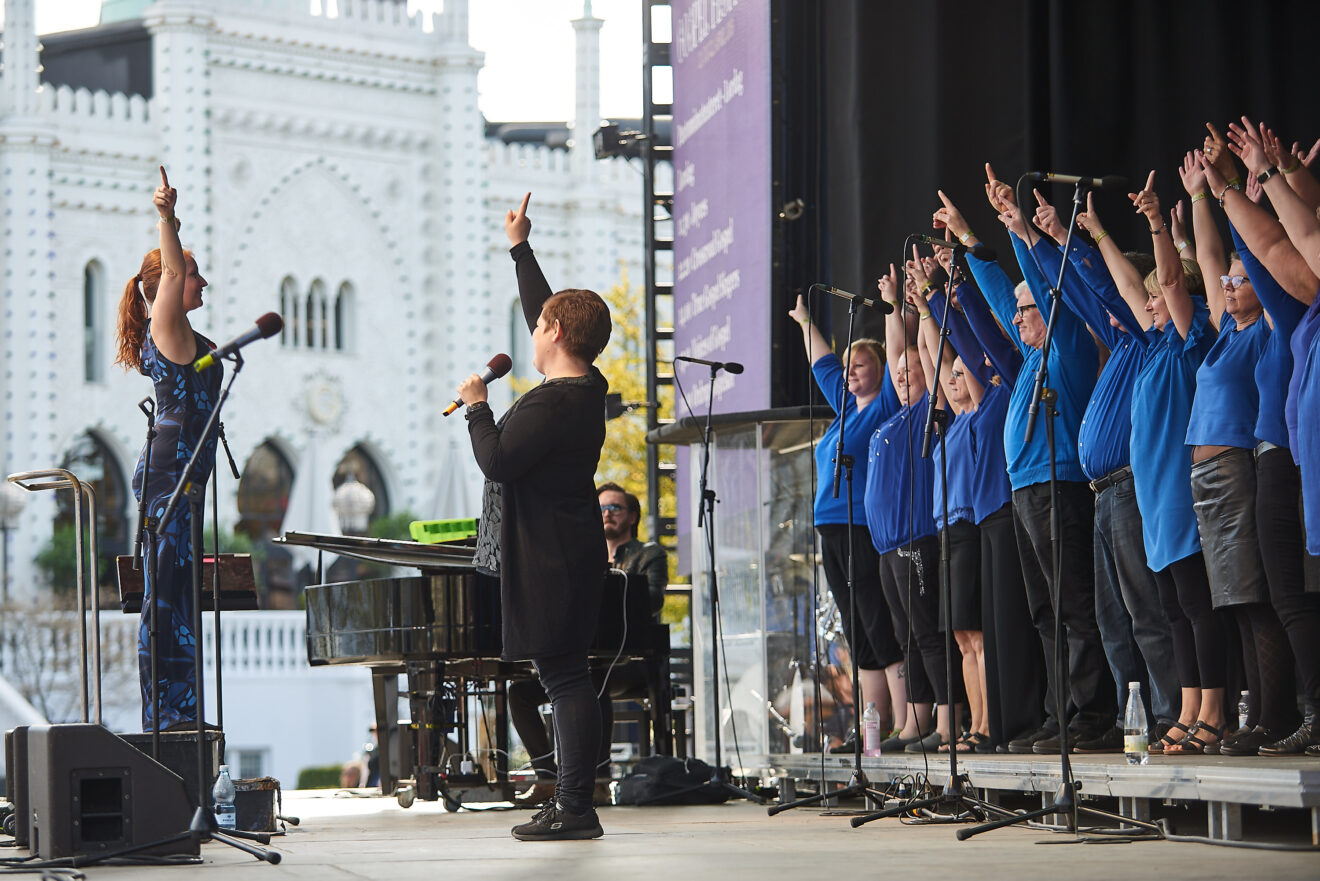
x=502 y=738
x=385 y=690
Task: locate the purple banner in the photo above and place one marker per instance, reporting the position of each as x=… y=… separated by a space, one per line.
x=722 y=188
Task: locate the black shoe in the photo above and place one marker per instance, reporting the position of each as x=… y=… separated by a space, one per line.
x=1023 y=745
x=1248 y=744
x=552 y=823
x=1049 y=746
x=1108 y=741
x=931 y=743
x=1296 y=743
x=896 y=744
x=1312 y=750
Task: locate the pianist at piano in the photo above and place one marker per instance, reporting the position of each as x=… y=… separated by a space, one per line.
x=541 y=523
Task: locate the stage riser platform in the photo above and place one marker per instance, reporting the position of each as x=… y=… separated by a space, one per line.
x=1224 y=785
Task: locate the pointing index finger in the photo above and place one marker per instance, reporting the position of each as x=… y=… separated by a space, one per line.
x=164 y=181
x=522 y=209
x=1150 y=181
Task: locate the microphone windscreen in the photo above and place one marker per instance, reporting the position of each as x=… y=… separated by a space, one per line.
x=500 y=365
x=732 y=367
x=1114 y=181
x=270 y=324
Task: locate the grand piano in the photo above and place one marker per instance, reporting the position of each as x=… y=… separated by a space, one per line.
x=441 y=630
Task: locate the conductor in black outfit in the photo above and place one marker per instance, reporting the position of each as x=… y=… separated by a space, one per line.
x=541 y=527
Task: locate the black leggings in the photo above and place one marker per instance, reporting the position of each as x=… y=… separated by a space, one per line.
x=1269 y=665
x=911 y=582
x=1197 y=627
x=567 y=681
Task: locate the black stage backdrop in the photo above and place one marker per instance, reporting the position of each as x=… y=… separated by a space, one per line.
x=882 y=103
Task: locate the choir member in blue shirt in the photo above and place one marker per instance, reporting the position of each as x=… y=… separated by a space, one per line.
x=1074 y=362
x=1286 y=285
x=861 y=404
x=1133 y=627
x=899 y=490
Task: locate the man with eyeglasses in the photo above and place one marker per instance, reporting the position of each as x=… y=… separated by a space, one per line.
x=620 y=512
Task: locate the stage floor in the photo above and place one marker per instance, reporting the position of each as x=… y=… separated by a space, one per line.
x=361 y=835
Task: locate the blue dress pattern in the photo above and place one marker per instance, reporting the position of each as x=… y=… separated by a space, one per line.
x=184 y=401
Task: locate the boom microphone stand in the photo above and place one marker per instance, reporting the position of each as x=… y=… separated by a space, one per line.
x=706 y=519
x=147 y=529
x=843 y=466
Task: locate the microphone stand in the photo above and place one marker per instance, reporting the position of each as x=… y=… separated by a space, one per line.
x=843 y=465
x=1065 y=799
x=215 y=575
x=706 y=520
x=147 y=529
x=957 y=788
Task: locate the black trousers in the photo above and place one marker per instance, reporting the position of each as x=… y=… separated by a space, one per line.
x=911 y=580
x=1014 y=665
x=875 y=647
x=567 y=682
x=1094 y=703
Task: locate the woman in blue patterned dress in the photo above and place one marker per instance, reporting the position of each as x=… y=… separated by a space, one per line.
x=156 y=339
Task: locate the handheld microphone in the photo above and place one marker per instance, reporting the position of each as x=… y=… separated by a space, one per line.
x=267 y=325
x=726 y=366
x=879 y=305
x=497 y=367
x=980 y=250
x=1110 y=181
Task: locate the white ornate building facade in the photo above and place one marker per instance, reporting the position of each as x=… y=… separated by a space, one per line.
x=335 y=169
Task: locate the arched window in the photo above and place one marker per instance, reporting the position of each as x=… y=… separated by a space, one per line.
x=263 y=492
x=91 y=461
x=288 y=311
x=344 y=318
x=360 y=464
x=93 y=327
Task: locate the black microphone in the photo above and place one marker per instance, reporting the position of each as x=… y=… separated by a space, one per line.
x=1110 y=181
x=980 y=250
x=266 y=326
x=879 y=305
x=495 y=368
x=726 y=366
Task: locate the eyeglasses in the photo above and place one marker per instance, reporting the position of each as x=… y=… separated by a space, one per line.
x=1232 y=282
x=611 y=509
x=1025 y=308
x=956 y=374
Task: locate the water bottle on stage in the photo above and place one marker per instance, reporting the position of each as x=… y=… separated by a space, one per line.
x=1136 y=736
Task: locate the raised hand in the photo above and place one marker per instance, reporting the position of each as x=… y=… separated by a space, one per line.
x=516 y=225
x=950 y=218
x=1089 y=220
x=1047 y=218
x=1193 y=178
x=1215 y=149
x=917 y=274
x=1178 y=223
x=1214 y=181
x=1255 y=190
x=888 y=286
x=1275 y=152
x=1011 y=217
x=165 y=196
x=1308 y=156
x=799 y=312
x=997 y=192
x=1245 y=144
x=1147 y=202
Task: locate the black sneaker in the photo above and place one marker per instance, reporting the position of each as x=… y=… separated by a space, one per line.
x=1108 y=741
x=1049 y=746
x=1296 y=743
x=553 y=823
x=1023 y=745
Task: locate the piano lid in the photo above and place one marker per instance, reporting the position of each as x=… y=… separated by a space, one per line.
x=384 y=550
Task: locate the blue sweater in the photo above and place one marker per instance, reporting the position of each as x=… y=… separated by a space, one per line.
x=859 y=427
x=899 y=481
x=1227 y=399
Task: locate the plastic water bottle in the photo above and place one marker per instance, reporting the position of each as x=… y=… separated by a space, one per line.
x=871 y=730
x=1244 y=709
x=226 y=815
x=1136 y=735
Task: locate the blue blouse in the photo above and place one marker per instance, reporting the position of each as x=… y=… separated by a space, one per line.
x=859 y=427
x=1161 y=459
x=1227 y=400
x=1308 y=439
x=899 y=481
x=990 y=487
x=960 y=447
x=1303 y=336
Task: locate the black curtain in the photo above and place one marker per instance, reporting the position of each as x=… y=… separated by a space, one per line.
x=910 y=98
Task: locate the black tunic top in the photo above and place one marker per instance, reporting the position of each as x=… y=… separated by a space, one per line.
x=544 y=454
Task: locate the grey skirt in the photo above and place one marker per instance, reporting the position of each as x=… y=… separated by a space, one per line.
x=1224 y=498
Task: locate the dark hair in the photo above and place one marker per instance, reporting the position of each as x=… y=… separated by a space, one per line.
x=583 y=317
x=630 y=501
x=1144 y=263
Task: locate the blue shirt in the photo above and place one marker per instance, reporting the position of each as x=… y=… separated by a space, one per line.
x=1104 y=437
x=990 y=487
x=859 y=427
x=960 y=448
x=899 y=481
x=1073 y=365
x=1302 y=338
x=1161 y=459
x=1275 y=366
x=1308 y=438
x=1227 y=400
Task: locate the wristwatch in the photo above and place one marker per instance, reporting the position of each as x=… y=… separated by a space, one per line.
x=1265 y=175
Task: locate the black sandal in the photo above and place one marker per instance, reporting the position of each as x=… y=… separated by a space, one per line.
x=1193 y=745
x=1168 y=739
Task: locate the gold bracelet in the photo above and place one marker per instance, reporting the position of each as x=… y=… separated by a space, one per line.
x=1100 y=235
x=172 y=219
x=925 y=315
x=926 y=286
x=1199 y=197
